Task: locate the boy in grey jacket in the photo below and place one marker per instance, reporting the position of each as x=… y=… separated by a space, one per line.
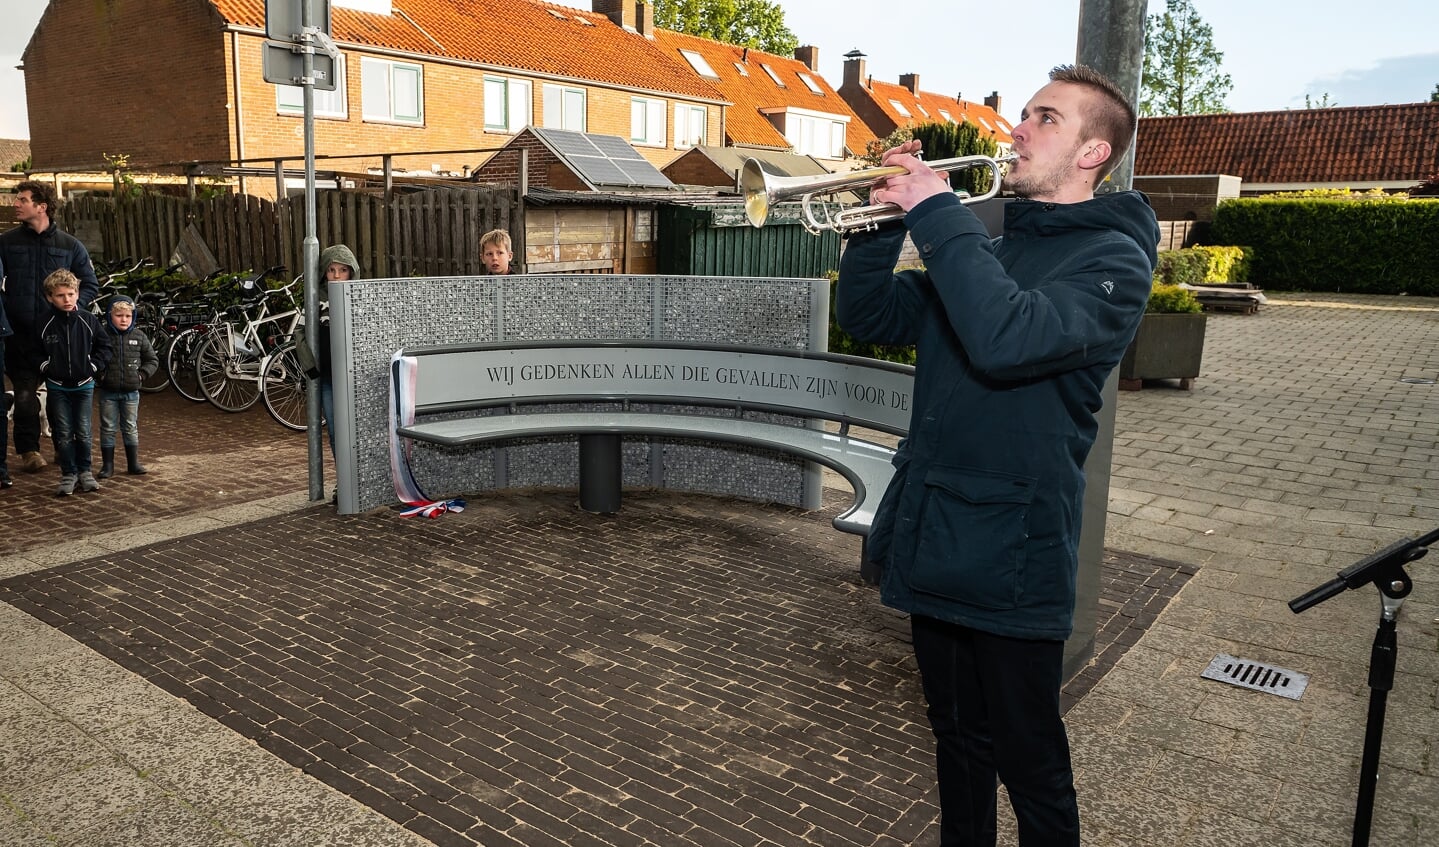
x=133 y=362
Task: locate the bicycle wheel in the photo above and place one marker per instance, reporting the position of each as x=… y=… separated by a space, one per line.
x=160 y=340
x=180 y=364
x=230 y=381
x=285 y=389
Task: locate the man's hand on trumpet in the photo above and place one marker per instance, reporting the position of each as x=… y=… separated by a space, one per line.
x=910 y=189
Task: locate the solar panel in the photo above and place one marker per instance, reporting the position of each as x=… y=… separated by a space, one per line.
x=603 y=159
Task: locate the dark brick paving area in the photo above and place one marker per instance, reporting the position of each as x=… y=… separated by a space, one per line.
x=199 y=458
x=692 y=670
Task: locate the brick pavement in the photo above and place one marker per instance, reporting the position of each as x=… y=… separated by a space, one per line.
x=1298 y=451
x=199 y=458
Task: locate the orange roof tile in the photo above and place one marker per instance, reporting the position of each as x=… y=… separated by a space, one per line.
x=521 y=34
x=745 y=123
x=926 y=106
x=1355 y=144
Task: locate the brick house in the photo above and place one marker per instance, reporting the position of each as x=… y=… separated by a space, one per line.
x=1356 y=147
x=166 y=82
x=777 y=102
x=885 y=106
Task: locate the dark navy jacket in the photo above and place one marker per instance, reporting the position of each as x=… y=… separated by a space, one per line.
x=28 y=257
x=132 y=356
x=75 y=346
x=1015 y=338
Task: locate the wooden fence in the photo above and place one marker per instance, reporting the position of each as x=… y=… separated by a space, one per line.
x=436 y=231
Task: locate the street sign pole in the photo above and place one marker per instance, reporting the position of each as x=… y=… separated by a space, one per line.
x=311 y=255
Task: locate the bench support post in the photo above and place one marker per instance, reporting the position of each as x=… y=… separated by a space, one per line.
x=600 y=474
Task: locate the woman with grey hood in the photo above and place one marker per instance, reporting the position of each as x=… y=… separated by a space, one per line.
x=337 y=264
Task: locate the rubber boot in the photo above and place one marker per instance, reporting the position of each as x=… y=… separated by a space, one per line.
x=107 y=462
x=132 y=457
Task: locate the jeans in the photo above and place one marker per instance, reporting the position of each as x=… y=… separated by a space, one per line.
x=4 y=424
x=69 y=413
x=994 y=708
x=22 y=365
x=119 y=410
x=327 y=408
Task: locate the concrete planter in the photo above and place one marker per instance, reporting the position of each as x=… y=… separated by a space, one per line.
x=1167 y=346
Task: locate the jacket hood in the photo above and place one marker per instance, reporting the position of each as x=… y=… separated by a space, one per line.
x=342 y=254
x=119 y=298
x=1126 y=211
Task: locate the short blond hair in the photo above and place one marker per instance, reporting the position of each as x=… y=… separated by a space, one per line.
x=60 y=279
x=122 y=307
x=496 y=236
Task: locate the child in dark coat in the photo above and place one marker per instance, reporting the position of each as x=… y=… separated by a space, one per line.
x=75 y=348
x=133 y=362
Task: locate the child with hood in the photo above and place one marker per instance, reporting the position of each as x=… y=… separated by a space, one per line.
x=337 y=264
x=133 y=361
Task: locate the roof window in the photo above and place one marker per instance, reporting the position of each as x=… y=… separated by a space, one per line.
x=774 y=76
x=699 y=64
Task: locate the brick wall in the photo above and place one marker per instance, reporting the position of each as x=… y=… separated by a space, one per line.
x=105 y=78
x=1187 y=198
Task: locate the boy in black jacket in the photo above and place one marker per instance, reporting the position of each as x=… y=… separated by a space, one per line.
x=133 y=361
x=75 y=349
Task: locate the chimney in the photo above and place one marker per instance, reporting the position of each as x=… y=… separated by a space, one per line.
x=910 y=81
x=622 y=12
x=853 y=69
x=992 y=101
x=808 y=54
x=645 y=19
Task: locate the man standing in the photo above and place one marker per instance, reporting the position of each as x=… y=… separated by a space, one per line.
x=977 y=535
x=29 y=253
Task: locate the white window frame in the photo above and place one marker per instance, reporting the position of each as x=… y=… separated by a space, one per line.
x=516 y=98
x=289 y=99
x=565 y=106
x=811 y=132
x=743 y=71
x=810 y=83
x=686 y=115
x=385 y=111
x=698 y=62
x=899 y=107
x=772 y=75
x=647 y=121
x=946 y=115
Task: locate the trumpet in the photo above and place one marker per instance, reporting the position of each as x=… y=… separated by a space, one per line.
x=763 y=190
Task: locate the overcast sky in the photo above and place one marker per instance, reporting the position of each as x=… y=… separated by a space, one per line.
x=1276 y=52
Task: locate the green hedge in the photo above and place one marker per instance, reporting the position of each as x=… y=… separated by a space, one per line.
x=1369 y=245
x=1198 y=265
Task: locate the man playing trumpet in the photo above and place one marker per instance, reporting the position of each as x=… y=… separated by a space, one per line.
x=977 y=534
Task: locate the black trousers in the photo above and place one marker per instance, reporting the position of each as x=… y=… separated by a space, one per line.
x=994 y=708
x=22 y=364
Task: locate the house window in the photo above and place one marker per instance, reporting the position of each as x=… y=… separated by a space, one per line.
x=774 y=76
x=811 y=84
x=946 y=115
x=813 y=135
x=564 y=107
x=392 y=91
x=899 y=107
x=689 y=125
x=289 y=99
x=647 y=121
x=699 y=64
x=507 y=104
x=743 y=71
x=986 y=124
x=922 y=110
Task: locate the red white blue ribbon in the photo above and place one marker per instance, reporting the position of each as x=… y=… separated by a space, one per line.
x=404 y=371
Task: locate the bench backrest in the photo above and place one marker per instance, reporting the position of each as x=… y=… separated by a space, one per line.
x=864 y=392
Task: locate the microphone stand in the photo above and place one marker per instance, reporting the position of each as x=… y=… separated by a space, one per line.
x=1385 y=569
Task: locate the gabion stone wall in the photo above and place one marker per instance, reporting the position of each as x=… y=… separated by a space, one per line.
x=374 y=318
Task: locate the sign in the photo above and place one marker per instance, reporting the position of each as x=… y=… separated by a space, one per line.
x=283 y=18
x=283 y=66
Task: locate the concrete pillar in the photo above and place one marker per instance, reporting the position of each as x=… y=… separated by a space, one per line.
x=1111 y=40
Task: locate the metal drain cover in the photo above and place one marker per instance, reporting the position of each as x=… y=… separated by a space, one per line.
x=1417 y=380
x=1257 y=675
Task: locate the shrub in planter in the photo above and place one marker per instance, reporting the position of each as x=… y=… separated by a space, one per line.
x=1170 y=340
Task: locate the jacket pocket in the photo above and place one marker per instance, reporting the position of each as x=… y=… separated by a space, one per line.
x=972 y=533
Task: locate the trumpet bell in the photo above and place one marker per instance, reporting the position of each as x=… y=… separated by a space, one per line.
x=754 y=185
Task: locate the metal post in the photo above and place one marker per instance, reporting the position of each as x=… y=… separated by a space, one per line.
x=311 y=255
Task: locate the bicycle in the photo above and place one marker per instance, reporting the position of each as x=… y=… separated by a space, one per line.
x=230 y=361
x=285 y=389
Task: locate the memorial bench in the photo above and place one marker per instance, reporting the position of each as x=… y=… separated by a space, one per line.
x=764 y=398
